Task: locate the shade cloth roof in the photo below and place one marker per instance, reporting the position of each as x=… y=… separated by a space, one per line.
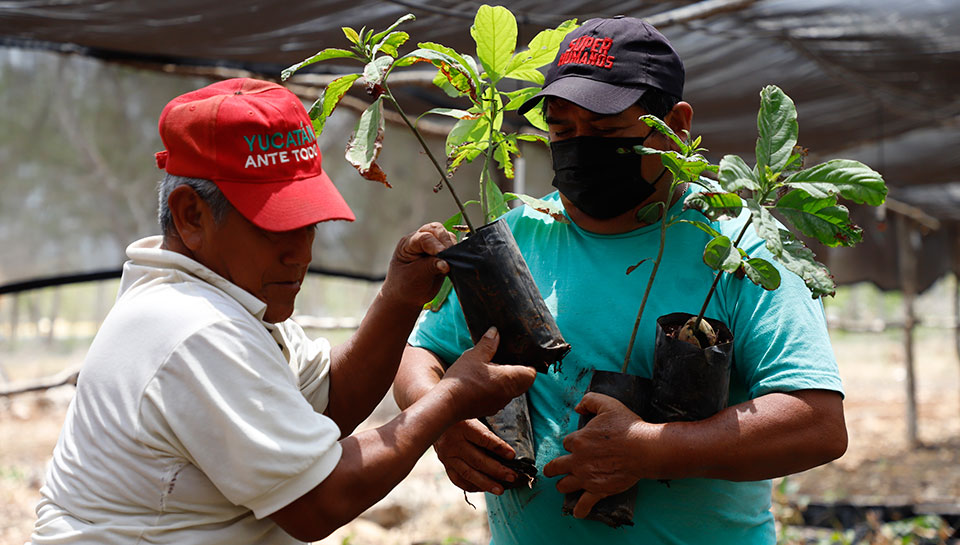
x=874 y=80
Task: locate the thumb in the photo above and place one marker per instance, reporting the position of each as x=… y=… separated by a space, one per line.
x=594 y=403
x=486 y=347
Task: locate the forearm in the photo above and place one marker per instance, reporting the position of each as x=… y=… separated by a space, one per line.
x=771 y=436
x=420 y=370
x=372 y=463
x=363 y=367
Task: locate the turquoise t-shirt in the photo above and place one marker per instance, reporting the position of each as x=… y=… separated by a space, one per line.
x=781 y=344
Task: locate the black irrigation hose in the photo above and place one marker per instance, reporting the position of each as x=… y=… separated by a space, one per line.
x=107 y=274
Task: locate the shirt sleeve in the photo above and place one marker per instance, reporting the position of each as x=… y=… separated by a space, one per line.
x=311 y=363
x=226 y=400
x=782 y=343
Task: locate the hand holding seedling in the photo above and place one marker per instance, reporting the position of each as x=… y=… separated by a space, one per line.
x=414 y=274
x=460 y=450
x=476 y=387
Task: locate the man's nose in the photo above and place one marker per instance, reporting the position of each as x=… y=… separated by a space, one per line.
x=298 y=246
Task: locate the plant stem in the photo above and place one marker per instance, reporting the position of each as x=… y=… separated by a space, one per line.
x=426 y=148
x=485 y=175
x=716 y=280
x=646 y=292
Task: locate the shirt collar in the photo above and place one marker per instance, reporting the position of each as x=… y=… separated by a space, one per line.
x=148 y=252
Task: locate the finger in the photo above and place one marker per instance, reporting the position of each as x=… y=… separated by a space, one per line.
x=475 y=478
x=558 y=466
x=446 y=238
x=569 y=484
x=483 y=437
x=461 y=483
x=595 y=403
x=585 y=505
x=486 y=347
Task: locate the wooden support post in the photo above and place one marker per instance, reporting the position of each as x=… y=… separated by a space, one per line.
x=954 y=236
x=908 y=241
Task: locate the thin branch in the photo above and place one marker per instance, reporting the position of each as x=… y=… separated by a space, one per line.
x=68 y=376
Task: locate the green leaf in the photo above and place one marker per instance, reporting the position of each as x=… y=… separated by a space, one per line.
x=378 y=38
x=451 y=112
x=687 y=169
x=351 y=35
x=850 y=179
x=438 y=300
x=392 y=44
x=820 y=218
x=762 y=273
x=457 y=73
x=495 y=32
x=765 y=224
x=735 y=175
x=541 y=50
x=465 y=62
x=374 y=71
x=534 y=138
x=329 y=53
x=506 y=147
x=656 y=123
x=715 y=206
x=516 y=98
x=454 y=220
x=706 y=228
x=799 y=260
x=496 y=202
x=329 y=99
x=650 y=213
x=528 y=74
x=777 y=128
x=721 y=255
x=364 y=147
x=550 y=208
x=467 y=130
x=536 y=118
x=464 y=153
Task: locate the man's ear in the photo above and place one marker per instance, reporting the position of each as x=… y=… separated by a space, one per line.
x=680 y=118
x=191 y=216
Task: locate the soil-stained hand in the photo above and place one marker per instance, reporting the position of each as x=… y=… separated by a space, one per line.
x=460 y=450
x=605 y=455
x=477 y=387
x=415 y=274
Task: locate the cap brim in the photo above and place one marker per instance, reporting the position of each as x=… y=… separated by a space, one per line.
x=287 y=205
x=597 y=96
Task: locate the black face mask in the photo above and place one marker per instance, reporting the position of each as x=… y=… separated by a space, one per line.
x=598 y=178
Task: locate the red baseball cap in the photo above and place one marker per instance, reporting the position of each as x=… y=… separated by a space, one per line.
x=254 y=140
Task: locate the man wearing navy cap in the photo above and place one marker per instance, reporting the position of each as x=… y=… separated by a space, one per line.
x=785 y=412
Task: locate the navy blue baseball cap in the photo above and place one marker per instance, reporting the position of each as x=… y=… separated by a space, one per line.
x=606 y=65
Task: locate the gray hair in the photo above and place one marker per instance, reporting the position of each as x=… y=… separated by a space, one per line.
x=207 y=190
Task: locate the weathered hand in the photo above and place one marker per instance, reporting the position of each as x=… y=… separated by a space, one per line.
x=460 y=450
x=414 y=274
x=605 y=455
x=477 y=387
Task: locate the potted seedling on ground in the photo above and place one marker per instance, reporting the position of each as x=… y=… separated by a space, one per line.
x=489 y=274
x=691 y=370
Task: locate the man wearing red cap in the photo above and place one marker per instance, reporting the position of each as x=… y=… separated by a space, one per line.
x=202 y=413
x=785 y=412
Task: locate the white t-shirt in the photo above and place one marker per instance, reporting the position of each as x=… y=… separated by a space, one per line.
x=193 y=418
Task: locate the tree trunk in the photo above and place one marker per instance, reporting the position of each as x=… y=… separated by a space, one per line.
x=908 y=239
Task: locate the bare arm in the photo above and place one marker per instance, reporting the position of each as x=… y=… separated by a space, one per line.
x=374 y=461
x=461 y=447
x=770 y=436
x=362 y=368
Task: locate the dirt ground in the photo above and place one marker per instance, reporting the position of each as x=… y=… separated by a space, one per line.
x=426 y=509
